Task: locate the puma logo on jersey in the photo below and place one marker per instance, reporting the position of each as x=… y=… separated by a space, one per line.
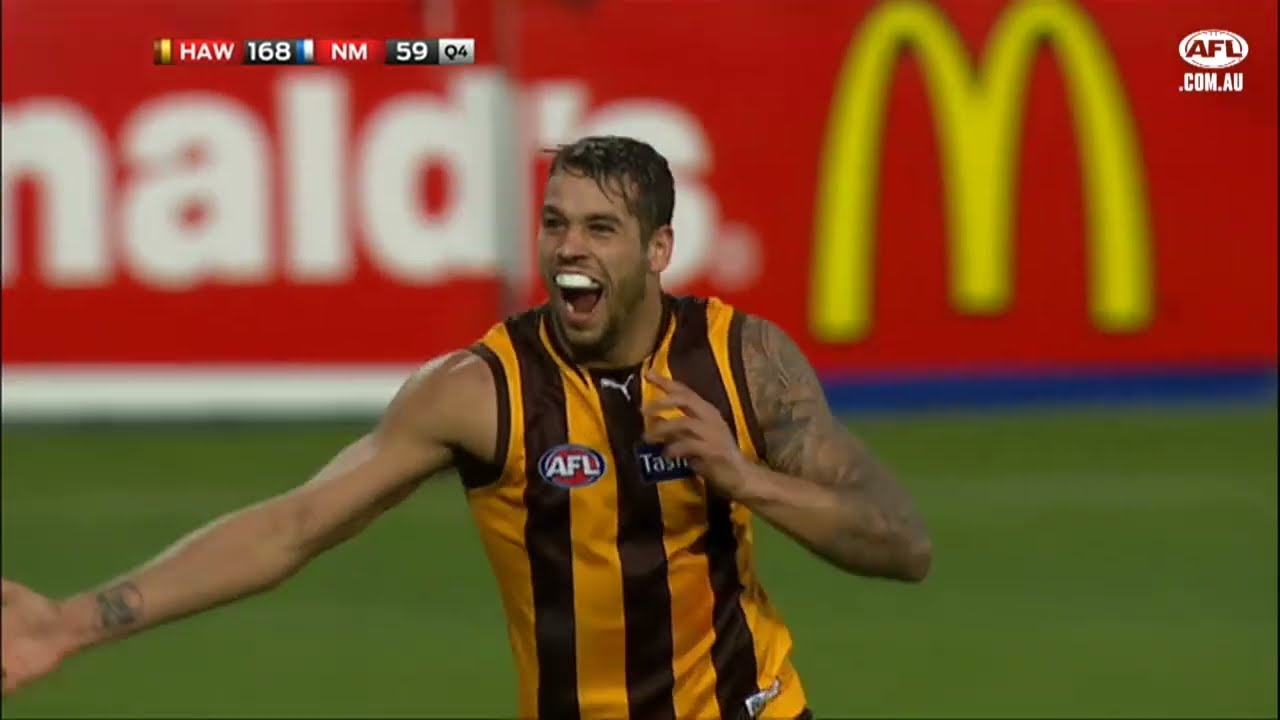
x=623 y=387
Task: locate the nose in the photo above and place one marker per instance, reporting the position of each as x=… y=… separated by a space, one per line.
x=572 y=245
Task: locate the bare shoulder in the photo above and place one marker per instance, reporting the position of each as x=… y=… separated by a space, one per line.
x=788 y=399
x=774 y=363
x=449 y=400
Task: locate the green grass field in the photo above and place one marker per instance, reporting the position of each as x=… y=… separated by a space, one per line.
x=1106 y=562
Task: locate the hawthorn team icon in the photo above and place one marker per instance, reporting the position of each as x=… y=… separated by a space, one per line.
x=571 y=466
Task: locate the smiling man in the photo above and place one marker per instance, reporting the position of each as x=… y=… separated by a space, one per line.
x=615 y=444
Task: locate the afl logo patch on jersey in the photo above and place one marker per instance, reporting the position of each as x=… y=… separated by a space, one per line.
x=571 y=466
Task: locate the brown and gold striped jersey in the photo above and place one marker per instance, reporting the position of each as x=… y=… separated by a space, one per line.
x=630 y=590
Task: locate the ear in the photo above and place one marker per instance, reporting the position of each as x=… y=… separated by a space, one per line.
x=661 y=243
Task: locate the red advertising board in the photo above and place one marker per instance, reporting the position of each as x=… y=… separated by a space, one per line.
x=903 y=186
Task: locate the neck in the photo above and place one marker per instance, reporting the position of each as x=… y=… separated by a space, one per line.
x=634 y=343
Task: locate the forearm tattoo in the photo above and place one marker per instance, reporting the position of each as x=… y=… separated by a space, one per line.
x=119 y=606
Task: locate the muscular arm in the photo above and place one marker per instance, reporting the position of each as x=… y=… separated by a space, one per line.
x=823 y=486
x=254 y=549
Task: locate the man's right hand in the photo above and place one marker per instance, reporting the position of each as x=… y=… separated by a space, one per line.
x=34 y=636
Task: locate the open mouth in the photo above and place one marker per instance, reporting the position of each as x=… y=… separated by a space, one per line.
x=581 y=293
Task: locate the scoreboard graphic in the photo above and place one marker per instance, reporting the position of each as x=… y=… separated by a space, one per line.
x=310 y=51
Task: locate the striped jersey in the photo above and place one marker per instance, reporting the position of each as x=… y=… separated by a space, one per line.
x=629 y=587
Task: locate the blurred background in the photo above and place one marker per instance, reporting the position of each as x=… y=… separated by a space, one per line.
x=1033 y=263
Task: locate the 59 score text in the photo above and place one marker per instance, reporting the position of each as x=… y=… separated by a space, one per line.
x=310 y=51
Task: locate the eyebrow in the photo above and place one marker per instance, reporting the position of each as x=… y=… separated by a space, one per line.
x=592 y=217
x=604 y=217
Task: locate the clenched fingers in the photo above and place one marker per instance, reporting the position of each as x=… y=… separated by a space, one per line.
x=677 y=397
x=668 y=430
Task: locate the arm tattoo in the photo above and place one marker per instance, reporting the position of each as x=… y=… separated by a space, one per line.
x=803 y=439
x=788 y=400
x=119 y=606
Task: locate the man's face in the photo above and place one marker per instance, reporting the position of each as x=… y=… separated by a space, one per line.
x=595 y=264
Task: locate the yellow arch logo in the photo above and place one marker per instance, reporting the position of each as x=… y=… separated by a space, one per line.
x=978 y=117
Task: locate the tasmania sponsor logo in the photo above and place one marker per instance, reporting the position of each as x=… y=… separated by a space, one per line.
x=571 y=466
x=1213 y=50
x=656 y=467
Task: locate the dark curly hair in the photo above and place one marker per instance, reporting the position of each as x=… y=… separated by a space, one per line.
x=626 y=167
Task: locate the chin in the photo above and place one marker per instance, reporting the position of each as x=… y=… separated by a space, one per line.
x=587 y=343
x=584 y=341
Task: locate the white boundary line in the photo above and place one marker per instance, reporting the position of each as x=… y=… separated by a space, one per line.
x=241 y=392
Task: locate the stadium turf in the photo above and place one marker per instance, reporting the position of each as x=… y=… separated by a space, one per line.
x=1118 y=562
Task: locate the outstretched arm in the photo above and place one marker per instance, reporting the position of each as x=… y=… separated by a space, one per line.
x=256 y=548
x=823 y=486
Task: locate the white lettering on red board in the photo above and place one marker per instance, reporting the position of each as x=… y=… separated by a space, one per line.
x=193 y=203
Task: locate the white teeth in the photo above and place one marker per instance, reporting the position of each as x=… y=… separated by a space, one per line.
x=575 y=281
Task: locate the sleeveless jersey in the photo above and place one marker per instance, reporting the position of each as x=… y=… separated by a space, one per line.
x=629 y=587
